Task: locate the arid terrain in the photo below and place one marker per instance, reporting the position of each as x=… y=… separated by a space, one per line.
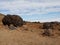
x=29 y=34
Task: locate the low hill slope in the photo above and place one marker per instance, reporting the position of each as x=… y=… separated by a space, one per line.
x=28 y=34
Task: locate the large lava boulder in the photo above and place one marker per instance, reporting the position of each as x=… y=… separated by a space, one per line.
x=15 y=20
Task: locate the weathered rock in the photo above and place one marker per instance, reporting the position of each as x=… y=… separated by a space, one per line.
x=15 y=20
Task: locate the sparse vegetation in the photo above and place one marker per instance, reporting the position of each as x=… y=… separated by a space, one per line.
x=30 y=34
x=47 y=28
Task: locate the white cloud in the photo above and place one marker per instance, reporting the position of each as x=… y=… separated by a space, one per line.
x=30 y=7
x=16 y=7
x=43 y=0
x=47 y=20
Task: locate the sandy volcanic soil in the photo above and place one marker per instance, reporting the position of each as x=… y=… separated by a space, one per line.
x=28 y=34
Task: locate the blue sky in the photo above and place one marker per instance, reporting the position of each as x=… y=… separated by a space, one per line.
x=32 y=10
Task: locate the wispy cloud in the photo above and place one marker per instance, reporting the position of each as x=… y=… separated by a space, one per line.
x=30 y=7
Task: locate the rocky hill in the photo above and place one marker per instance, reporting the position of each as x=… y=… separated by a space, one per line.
x=31 y=33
